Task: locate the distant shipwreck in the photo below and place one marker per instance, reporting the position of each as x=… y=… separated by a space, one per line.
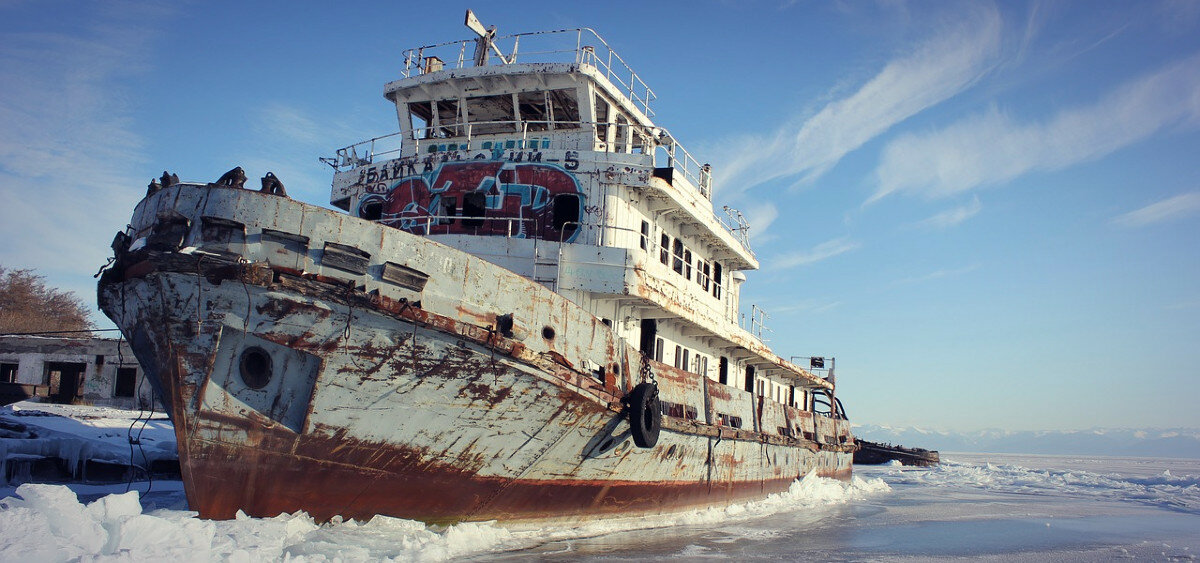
x=875 y=453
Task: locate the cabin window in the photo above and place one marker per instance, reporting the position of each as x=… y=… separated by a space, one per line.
x=678 y=355
x=566 y=211
x=8 y=373
x=684 y=365
x=702 y=274
x=474 y=205
x=716 y=286
x=664 y=249
x=687 y=264
x=601 y=120
x=658 y=349
x=448 y=119
x=677 y=265
x=645 y=242
x=491 y=114
x=532 y=106
x=449 y=210
x=723 y=370
x=702 y=367
x=371 y=210
x=760 y=388
x=564 y=108
x=420 y=114
x=622 y=133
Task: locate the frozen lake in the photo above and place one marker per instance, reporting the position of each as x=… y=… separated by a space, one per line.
x=1001 y=507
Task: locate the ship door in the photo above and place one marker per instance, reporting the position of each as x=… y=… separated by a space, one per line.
x=649 y=334
x=723 y=370
x=750 y=378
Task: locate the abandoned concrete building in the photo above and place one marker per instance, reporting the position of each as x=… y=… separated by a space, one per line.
x=89 y=371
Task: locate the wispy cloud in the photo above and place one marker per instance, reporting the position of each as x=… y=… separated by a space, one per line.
x=823 y=251
x=67 y=146
x=993 y=148
x=952 y=217
x=933 y=72
x=1168 y=209
x=938 y=274
x=812 y=306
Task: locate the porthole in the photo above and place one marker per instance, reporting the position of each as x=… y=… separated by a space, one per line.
x=255 y=367
x=548 y=332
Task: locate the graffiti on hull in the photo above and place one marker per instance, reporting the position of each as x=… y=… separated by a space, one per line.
x=481 y=197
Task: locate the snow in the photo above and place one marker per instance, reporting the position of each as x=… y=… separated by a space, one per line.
x=75 y=432
x=49 y=523
x=997 y=506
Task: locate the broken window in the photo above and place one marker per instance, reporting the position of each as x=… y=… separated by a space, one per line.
x=533 y=110
x=677 y=265
x=703 y=276
x=491 y=114
x=8 y=373
x=622 y=139
x=645 y=242
x=664 y=249
x=126 y=382
x=716 y=280
x=687 y=264
x=566 y=211
x=474 y=205
x=419 y=116
x=447 y=119
x=564 y=108
x=601 y=120
x=449 y=210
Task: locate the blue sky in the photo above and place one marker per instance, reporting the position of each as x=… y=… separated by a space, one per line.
x=989 y=213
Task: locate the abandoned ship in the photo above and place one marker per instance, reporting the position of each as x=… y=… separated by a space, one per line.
x=528 y=312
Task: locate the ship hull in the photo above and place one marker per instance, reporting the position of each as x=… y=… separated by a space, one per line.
x=372 y=405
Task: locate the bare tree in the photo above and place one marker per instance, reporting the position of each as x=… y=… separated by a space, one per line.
x=27 y=304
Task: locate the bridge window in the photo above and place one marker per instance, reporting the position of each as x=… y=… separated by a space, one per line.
x=491 y=114
x=664 y=249
x=645 y=242
x=687 y=263
x=564 y=108
x=601 y=119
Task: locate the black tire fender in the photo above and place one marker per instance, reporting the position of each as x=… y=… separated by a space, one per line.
x=645 y=416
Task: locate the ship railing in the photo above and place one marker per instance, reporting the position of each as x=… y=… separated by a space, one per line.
x=512 y=226
x=581 y=46
x=670 y=154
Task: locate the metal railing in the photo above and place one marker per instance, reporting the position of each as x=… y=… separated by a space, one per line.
x=581 y=46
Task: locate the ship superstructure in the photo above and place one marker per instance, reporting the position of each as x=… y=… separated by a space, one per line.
x=530 y=311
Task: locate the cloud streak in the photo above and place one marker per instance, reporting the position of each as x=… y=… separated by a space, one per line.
x=1169 y=209
x=823 y=251
x=935 y=71
x=67 y=146
x=993 y=147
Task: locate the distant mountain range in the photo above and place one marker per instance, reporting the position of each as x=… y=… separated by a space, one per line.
x=1157 y=442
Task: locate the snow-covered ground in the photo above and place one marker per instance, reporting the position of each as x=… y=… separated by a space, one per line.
x=73 y=433
x=979 y=506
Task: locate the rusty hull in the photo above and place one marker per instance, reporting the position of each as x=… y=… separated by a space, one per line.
x=411 y=404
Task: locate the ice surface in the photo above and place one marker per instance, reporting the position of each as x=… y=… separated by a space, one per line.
x=75 y=432
x=49 y=523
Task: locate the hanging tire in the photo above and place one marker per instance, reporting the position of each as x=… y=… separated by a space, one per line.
x=645 y=418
